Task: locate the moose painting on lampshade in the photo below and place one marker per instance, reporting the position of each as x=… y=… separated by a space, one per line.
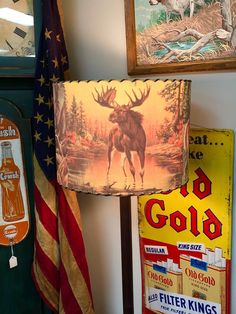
x=122 y=137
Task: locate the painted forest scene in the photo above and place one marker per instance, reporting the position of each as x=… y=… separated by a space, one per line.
x=173 y=31
x=122 y=137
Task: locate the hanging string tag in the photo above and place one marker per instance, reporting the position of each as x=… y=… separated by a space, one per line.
x=13 y=259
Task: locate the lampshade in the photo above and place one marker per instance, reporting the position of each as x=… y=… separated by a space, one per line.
x=122 y=137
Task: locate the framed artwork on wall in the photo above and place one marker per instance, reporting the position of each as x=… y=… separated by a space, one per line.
x=169 y=36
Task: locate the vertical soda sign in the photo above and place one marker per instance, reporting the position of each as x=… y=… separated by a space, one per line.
x=185 y=235
x=14 y=208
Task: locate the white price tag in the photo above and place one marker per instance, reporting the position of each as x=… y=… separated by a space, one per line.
x=13 y=262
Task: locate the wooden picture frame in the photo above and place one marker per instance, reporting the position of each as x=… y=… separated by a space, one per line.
x=145 y=43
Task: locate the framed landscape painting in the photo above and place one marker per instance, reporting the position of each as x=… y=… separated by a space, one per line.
x=169 y=36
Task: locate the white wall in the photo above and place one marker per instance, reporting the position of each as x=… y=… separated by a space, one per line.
x=95 y=32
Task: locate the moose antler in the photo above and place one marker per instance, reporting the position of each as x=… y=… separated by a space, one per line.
x=138 y=100
x=105 y=98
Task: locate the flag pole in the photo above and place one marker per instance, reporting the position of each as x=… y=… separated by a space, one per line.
x=126 y=254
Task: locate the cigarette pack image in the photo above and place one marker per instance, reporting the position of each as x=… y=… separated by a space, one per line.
x=164 y=276
x=205 y=278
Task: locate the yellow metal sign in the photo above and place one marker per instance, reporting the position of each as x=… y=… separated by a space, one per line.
x=185 y=235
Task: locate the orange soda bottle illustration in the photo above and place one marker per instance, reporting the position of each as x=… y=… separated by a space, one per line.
x=12 y=202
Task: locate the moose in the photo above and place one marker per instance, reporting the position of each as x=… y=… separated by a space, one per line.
x=128 y=134
x=178 y=6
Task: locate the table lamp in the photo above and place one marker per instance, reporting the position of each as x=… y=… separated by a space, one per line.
x=122 y=138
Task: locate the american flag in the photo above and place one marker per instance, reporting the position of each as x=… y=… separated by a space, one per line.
x=60 y=268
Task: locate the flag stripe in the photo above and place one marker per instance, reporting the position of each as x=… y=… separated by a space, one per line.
x=71 y=199
x=47 y=243
x=68 y=299
x=74 y=236
x=44 y=186
x=61 y=308
x=46 y=216
x=80 y=291
x=48 y=293
x=49 y=269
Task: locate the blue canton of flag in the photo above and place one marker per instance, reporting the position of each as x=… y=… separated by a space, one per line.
x=52 y=62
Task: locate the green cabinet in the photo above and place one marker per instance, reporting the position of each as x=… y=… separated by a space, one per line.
x=18 y=294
